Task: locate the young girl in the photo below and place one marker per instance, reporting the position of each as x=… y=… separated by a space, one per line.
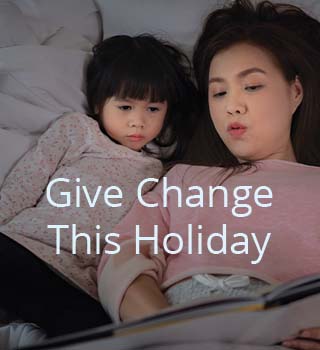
x=53 y=208
x=256 y=72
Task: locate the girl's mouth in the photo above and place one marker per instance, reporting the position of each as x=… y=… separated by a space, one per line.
x=135 y=137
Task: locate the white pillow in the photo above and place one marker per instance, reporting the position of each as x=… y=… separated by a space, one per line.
x=48 y=18
x=312 y=7
x=14 y=29
x=22 y=115
x=15 y=145
x=69 y=39
x=178 y=21
x=38 y=84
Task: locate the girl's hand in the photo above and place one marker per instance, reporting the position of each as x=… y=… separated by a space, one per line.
x=307 y=339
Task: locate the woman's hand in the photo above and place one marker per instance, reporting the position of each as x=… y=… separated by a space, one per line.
x=143 y=298
x=307 y=339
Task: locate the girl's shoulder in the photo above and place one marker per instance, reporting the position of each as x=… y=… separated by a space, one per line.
x=75 y=120
x=74 y=126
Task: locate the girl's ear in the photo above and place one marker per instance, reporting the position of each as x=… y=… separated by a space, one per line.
x=297 y=94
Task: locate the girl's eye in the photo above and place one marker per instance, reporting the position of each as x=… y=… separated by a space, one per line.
x=253 y=87
x=219 y=94
x=125 y=108
x=153 y=109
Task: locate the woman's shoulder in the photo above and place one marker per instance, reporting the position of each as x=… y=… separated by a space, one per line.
x=273 y=170
x=277 y=165
x=191 y=172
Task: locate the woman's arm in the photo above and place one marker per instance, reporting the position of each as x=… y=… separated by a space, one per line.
x=143 y=298
x=129 y=282
x=125 y=270
x=308 y=339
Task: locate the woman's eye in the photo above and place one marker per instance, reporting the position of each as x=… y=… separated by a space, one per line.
x=124 y=108
x=253 y=87
x=219 y=94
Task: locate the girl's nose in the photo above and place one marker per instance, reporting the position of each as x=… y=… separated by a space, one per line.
x=136 y=122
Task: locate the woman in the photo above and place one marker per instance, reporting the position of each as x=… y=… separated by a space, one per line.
x=255 y=69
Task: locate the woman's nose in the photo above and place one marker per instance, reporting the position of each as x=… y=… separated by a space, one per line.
x=235 y=105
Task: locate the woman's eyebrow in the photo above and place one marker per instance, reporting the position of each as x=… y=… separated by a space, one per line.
x=248 y=71
x=241 y=74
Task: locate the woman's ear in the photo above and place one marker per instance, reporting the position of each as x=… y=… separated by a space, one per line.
x=297 y=94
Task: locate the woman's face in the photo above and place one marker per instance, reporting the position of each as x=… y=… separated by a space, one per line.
x=251 y=104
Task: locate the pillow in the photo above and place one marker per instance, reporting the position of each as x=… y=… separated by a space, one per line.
x=15 y=145
x=14 y=29
x=38 y=84
x=312 y=7
x=18 y=114
x=48 y=18
x=178 y=21
x=69 y=39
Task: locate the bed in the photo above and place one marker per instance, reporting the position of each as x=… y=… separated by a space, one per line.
x=45 y=46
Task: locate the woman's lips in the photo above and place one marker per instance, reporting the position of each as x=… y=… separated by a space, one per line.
x=236 y=129
x=237 y=132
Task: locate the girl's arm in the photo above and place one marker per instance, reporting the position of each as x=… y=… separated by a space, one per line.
x=25 y=184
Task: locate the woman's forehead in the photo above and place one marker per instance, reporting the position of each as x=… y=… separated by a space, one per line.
x=240 y=60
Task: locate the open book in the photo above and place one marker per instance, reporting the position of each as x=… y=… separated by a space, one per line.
x=265 y=320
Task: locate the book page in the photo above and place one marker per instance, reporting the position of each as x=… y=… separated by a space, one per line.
x=249 y=328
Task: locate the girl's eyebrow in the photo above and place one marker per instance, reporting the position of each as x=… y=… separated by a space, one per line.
x=118 y=99
x=128 y=100
x=242 y=74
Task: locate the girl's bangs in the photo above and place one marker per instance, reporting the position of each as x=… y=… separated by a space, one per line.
x=140 y=82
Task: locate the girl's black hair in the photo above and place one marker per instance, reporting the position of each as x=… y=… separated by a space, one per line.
x=293 y=40
x=144 y=67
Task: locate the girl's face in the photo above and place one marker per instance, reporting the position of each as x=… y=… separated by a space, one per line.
x=133 y=123
x=251 y=104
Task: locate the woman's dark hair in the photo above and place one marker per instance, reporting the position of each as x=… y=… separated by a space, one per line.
x=143 y=67
x=293 y=40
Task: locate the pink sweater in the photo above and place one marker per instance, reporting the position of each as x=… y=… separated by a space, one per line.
x=292 y=222
x=73 y=147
